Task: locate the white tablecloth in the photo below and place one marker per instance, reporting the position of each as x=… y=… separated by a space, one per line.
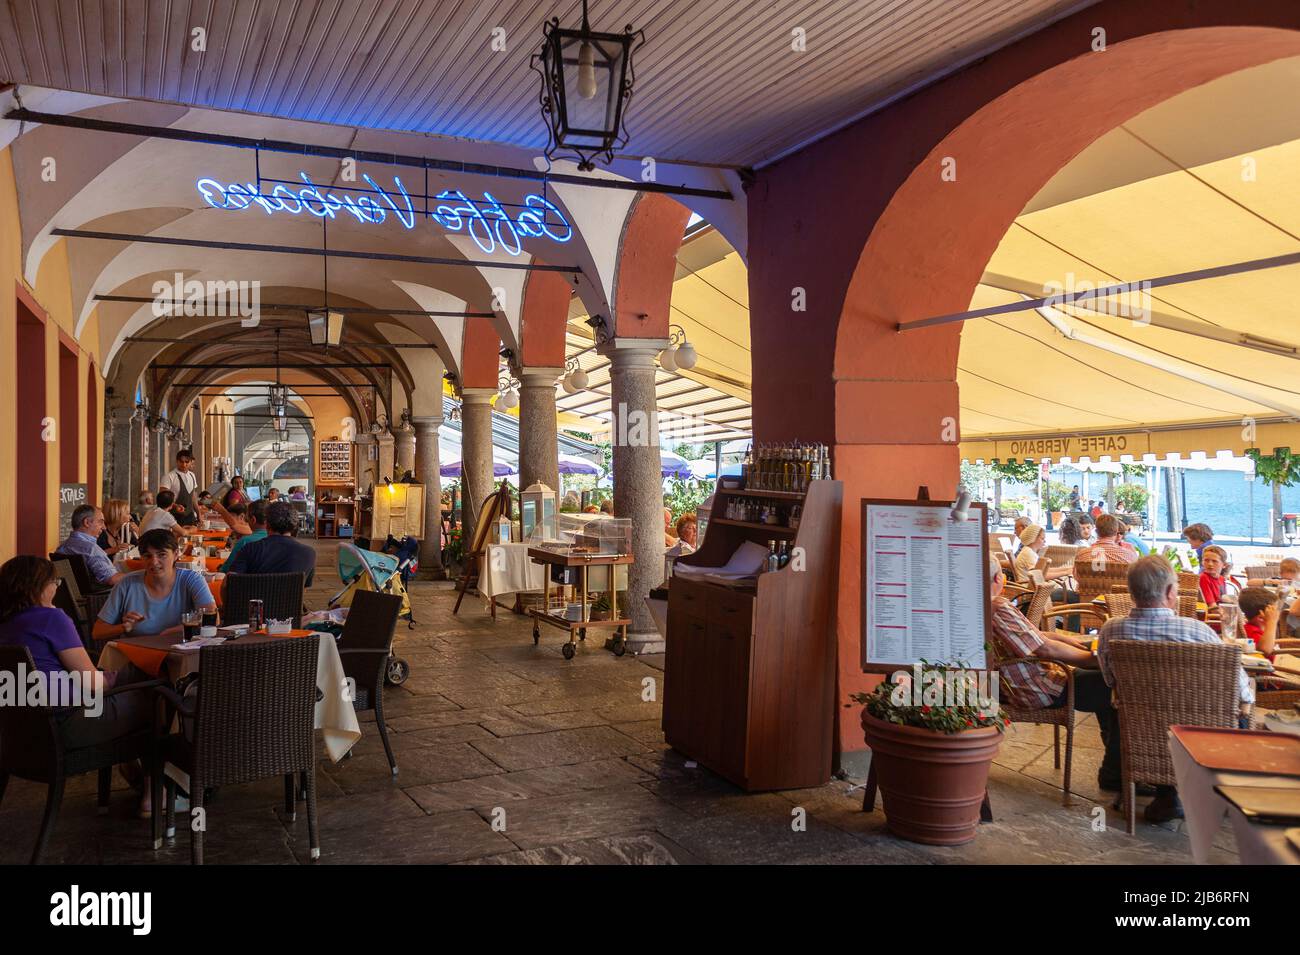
x=506 y=569
x=1204 y=809
x=336 y=718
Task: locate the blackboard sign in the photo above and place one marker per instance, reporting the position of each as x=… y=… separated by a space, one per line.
x=71 y=496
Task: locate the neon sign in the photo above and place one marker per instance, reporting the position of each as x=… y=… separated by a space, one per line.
x=485 y=220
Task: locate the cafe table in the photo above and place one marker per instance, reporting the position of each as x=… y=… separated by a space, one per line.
x=1204 y=810
x=335 y=716
x=506 y=570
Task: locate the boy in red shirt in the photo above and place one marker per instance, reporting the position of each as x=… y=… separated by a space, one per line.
x=1259 y=609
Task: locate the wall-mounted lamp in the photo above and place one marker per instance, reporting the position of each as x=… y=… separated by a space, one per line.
x=680 y=354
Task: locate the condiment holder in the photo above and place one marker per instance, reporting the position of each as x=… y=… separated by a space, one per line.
x=279 y=627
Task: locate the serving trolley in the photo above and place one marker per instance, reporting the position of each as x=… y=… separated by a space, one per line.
x=554 y=612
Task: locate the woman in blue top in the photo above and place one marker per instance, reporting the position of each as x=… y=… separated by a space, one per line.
x=153 y=600
x=30 y=619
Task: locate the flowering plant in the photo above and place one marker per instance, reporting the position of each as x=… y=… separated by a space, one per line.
x=938 y=697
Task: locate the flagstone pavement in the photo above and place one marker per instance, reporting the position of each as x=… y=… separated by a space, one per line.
x=508 y=753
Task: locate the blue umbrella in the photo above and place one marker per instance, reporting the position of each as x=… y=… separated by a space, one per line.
x=674 y=466
x=571 y=464
x=453 y=469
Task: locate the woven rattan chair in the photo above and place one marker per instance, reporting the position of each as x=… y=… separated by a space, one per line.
x=1159 y=684
x=1118 y=605
x=1056 y=717
x=251 y=718
x=281 y=596
x=1040 y=601
x=1098 y=579
x=32 y=747
x=364 y=646
x=1264 y=572
x=1189 y=582
x=85 y=583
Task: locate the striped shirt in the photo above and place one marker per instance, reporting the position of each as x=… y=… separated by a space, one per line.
x=1161 y=623
x=1028 y=685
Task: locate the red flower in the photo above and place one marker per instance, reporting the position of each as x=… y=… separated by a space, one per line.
x=925 y=709
x=969 y=723
x=1006 y=720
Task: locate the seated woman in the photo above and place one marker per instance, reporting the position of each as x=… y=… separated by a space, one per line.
x=1034 y=541
x=1214 y=574
x=153 y=600
x=30 y=619
x=120 y=531
x=1069 y=532
x=236 y=494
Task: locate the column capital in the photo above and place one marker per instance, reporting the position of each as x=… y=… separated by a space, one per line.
x=540 y=377
x=477 y=396
x=632 y=351
x=426 y=423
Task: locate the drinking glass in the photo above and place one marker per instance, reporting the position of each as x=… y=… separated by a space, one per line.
x=192 y=620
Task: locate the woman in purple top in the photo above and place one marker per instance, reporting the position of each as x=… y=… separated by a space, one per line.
x=30 y=619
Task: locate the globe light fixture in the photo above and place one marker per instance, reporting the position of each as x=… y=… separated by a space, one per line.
x=680 y=354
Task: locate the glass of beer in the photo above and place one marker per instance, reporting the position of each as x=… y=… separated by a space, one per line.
x=192 y=621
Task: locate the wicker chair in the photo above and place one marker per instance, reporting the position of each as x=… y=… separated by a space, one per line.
x=1159 y=684
x=1095 y=580
x=281 y=596
x=252 y=717
x=1118 y=605
x=87 y=584
x=1056 y=717
x=1040 y=601
x=364 y=646
x=32 y=747
x=82 y=605
x=1264 y=572
x=1189 y=582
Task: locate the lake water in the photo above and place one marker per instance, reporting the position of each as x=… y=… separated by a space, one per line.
x=1218 y=498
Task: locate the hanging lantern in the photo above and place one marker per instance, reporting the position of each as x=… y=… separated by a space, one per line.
x=586 y=86
x=326 y=327
x=578 y=378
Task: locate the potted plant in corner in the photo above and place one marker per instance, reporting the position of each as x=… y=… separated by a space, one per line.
x=600 y=608
x=933 y=734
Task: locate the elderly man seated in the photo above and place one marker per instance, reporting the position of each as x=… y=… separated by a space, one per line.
x=1153 y=584
x=1035 y=685
x=87 y=525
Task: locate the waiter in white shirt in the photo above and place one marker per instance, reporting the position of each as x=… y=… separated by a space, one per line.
x=182 y=482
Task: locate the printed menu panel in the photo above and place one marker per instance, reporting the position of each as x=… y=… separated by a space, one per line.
x=924 y=585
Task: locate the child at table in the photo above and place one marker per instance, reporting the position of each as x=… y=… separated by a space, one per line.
x=1214 y=567
x=1260 y=611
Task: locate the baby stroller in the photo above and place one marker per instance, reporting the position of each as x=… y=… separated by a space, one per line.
x=369 y=570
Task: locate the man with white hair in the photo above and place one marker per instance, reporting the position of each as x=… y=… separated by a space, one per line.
x=1153 y=585
x=1035 y=685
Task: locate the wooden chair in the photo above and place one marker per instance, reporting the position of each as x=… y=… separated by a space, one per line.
x=364 y=646
x=281 y=596
x=252 y=717
x=494 y=505
x=1159 y=684
x=1096 y=580
x=33 y=747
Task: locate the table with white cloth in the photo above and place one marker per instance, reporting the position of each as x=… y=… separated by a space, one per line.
x=507 y=570
x=335 y=715
x=1204 y=809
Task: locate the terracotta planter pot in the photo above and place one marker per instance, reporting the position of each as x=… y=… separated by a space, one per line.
x=932 y=783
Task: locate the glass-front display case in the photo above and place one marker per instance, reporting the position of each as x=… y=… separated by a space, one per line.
x=595 y=535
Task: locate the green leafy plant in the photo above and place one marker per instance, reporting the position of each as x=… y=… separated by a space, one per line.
x=1057 y=495
x=685 y=495
x=1279 y=469
x=1023 y=472
x=456 y=546
x=948 y=700
x=1131 y=498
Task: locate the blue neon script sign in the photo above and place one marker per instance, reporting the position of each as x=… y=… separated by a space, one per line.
x=485 y=221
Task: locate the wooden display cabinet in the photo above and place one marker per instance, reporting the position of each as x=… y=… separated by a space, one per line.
x=749 y=673
x=330 y=514
x=399 y=512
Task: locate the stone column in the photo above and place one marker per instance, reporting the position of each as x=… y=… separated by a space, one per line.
x=426 y=459
x=120 y=440
x=638 y=481
x=539 y=457
x=475 y=454
x=363 y=468
x=404 y=443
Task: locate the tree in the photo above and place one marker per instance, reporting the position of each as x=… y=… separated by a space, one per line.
x=1279 y=469
x=1023 y=472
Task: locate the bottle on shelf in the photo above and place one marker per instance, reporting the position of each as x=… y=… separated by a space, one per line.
x=783 y=557
x=772 y=558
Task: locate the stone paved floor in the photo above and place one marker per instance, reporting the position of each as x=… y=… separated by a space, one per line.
x=489 y=725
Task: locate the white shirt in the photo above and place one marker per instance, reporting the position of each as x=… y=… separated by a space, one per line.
x=175 y=479
x=158 y=517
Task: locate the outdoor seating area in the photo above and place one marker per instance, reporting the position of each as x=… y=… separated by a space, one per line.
x=836 y=432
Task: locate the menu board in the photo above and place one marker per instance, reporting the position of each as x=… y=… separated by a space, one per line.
x=333 y=462
x=71 y=497
x=925 y=588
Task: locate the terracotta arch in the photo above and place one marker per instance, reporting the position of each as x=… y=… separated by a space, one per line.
x=916 y=245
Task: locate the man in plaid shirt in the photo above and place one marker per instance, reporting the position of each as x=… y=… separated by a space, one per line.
x=1154 y=587
x=1108 y=549
x=1043 y=685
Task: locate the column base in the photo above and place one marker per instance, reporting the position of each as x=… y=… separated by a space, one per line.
x=639 y=643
